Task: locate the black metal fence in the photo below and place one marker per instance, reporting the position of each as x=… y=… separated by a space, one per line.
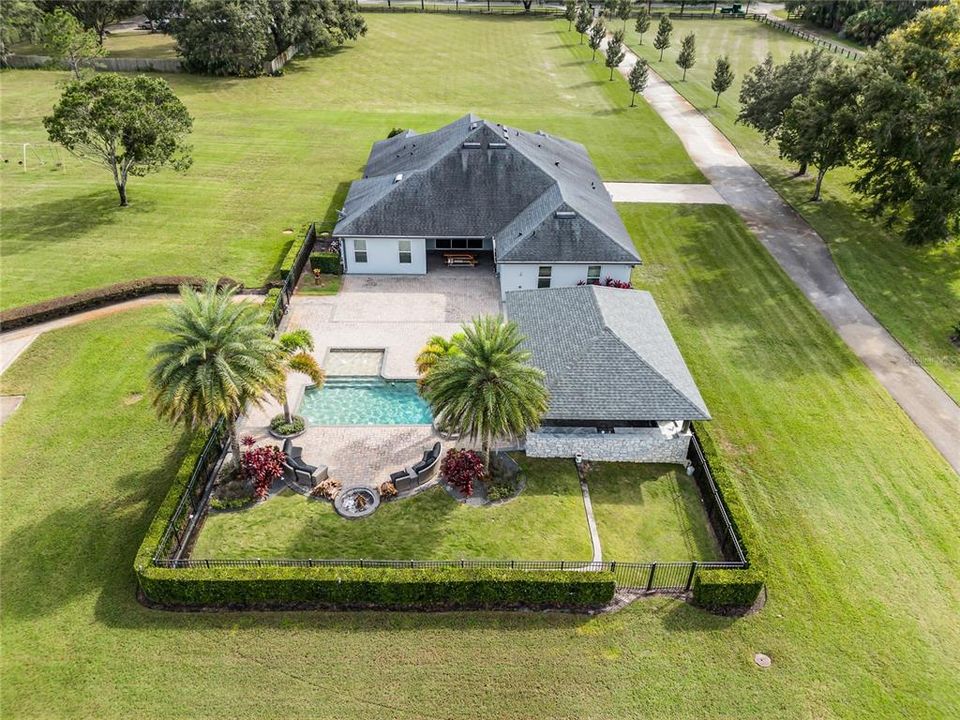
x=646 y=577
x=290 y=283
x=810 y=37
x=716 y=509
x=177 y=535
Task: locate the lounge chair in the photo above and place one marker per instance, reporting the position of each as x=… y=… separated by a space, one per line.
x=404 y=480
x=295 y=458
x=428 y=463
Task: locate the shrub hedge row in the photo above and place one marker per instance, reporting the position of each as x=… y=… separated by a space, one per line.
x=394 y=588
x=326 y=262
x=283 y=587
x=721 y=589
x=88 y=299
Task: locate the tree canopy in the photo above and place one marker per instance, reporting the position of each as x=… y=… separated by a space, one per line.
x=597 y=33
x=722 y=77
x=688 y=53
x=820 y=127
x=94 y=15
x=910 y=152
x=615 y=52
x=643 y=23
x=132 y=125
x=662 y=40
x=236 y=37
x=584 y=20
x=18 y=18
x=637 y=79
x=64 y=39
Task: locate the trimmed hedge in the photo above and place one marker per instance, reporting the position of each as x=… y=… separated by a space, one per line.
x=393 y=588
x=326 y=262
x=286 y=265
x=89 y=299
x=283 y=587
x=713 y=588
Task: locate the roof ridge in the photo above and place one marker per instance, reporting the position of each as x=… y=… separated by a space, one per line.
x=628 y=346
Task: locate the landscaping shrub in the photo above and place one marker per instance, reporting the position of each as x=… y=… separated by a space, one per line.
x=715 y=588
x=462 y=468
x=26 y=315
x=327 y=262
x=427 y=588
x=263 y=465
x=500 y=491
x=280 y=425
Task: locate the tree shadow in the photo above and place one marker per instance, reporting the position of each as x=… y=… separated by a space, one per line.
x=86 y=548
x=55 y=221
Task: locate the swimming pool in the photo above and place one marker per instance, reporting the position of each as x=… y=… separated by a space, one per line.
x=365 y=401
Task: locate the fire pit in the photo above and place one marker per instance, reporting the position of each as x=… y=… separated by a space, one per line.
x=357 y=502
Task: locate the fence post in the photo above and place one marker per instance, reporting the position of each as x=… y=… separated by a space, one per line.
x=693 y=571
x=653 y=570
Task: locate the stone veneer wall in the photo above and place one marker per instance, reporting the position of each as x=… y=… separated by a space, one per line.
x=623 y=445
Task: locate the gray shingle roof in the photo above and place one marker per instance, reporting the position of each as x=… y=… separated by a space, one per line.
x=607 y=355
x=472 y=178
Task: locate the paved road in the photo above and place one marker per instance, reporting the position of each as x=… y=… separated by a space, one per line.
x=804 y=256
x=700 y=194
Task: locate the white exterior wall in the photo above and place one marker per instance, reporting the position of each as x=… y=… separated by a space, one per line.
x=651 y=445
x=524 y=277
x=383 y=257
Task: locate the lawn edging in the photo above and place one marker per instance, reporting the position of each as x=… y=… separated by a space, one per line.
x=725 y=589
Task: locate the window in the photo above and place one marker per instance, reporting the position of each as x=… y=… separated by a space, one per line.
x=543 y=276
x=475 y=244
x=442 y=244
x=459 y=244
x=406 y=254
x=593 y=275
x=360 y=250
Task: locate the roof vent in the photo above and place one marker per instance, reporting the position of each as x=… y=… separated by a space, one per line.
x=557 y=163
x=398 y=178
x=496 y=145
x=471 y=145
x=564 y=214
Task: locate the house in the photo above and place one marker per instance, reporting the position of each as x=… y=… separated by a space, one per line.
x=619 y=388
x=527 y=203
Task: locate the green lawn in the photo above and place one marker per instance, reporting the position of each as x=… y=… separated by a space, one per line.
x=914 y=292
x=856 y=512
x=649 y=512
x=133 y=44
x=546 y=522
x=273 y=153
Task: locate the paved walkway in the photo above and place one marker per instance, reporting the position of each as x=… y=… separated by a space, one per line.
x=804 y=256
x=674 y=193
x=13 y=343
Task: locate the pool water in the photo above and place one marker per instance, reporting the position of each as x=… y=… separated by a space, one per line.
x=365 y=401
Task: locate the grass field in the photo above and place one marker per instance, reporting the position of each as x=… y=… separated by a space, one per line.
x=133 y=44
x=546 y=522
x=643 y=513
x=649 y=512
x=856 y=512
x=272 y=153
x=914 y=292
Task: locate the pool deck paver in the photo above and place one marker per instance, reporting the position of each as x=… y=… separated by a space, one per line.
x=396 y=314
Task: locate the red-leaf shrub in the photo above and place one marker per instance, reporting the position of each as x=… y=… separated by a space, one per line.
x=263 y=465
x=462 y=468
x=611 y=282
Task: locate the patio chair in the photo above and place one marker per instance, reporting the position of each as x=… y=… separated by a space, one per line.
x=424 y=468
x=404 y=480
x=295 y=457
x=297 y=476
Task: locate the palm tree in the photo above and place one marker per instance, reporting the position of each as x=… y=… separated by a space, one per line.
x=294 y=346
x=218 y=358
x=487 y=390
x=436 y=349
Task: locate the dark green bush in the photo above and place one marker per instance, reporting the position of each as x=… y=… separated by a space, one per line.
x=326 y=262
x=434 y=588
x=286 y=265
x=714 y=588
x=727 y=588
x=280 y=425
